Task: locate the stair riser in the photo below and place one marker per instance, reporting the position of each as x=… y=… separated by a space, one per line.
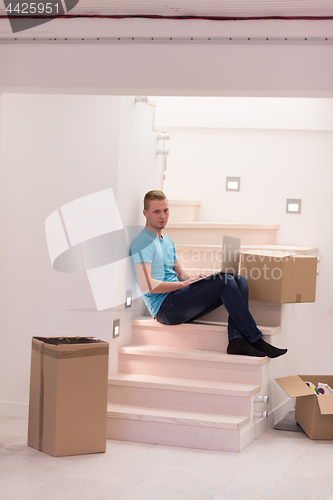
x=182 y=339
x=212 y=341
x=184 y=213
x=173 y=435
x=200 y=259
x=179 y=400
x=199 y=236
x=196 y=259
x=208 y=259
x=190 y=369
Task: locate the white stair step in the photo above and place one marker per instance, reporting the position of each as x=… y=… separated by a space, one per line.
x=192 y=385
x=212 y=232
x=282 y=248
x=174 y=428
x=304 y=250
x=203 y=257
x=195 y=354
x=181 y=394
x=182 y=417
x=201 y=334
x=190 y=364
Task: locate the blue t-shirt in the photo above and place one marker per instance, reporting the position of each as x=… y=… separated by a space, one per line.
x=161 y=253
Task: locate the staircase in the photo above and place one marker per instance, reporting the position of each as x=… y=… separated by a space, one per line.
x=176 y=385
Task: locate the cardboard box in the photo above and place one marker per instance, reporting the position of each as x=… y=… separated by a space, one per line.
x=68 y=395
x=313 y=412
x=279 y=276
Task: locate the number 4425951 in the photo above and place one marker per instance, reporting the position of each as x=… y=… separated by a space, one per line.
x=33 y=8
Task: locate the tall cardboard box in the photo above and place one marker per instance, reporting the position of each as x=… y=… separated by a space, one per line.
x=280 y=277
x=68 y=395
x=313 y=412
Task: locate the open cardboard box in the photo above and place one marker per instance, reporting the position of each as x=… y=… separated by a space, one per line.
x=279 y=276
x=68 y=395
x=313 y=412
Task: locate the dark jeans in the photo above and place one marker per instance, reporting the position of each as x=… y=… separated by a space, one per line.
x=206 y=295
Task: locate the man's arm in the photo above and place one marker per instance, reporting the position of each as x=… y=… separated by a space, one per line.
x=149 y=284
x=183 y=275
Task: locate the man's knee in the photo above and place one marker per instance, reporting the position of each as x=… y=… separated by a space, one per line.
x=227 y=279
x=235 y=280
x=241 y=282
x=241 y=279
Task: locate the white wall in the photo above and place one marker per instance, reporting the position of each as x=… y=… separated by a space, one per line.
x=139 y=170
x=246 y=113
x=275 y=162
x=240 y=69
x=170 y=68
x=53 y=150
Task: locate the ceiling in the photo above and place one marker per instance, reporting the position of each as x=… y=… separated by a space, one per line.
x=200 y=8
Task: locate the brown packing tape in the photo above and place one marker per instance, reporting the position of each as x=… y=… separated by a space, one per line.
x=41 y=398
x=53 y=353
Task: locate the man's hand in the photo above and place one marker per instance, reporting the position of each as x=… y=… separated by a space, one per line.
x=183 y=275
x=188 y=281
x=148 y=284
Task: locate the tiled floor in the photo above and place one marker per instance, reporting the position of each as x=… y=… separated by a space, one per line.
x=278 y=465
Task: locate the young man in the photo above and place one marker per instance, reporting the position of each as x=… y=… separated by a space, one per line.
x=172 y=298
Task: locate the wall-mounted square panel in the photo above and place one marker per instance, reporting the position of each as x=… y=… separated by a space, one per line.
x=293 y=206
x=116 y=328
x=128 y=302
x=233 y=184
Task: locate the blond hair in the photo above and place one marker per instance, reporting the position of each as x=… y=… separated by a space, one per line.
x=152 y=195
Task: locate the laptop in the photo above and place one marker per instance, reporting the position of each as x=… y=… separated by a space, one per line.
x=230 y=257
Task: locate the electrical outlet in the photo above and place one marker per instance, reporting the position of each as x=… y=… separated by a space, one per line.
x=116 y=328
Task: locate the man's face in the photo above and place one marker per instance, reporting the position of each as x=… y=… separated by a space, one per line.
x=157 y=215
